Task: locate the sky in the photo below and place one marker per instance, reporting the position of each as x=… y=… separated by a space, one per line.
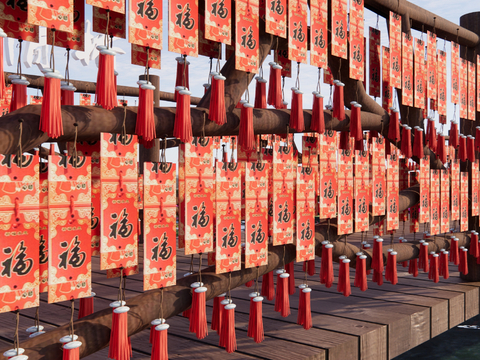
x=199 y=68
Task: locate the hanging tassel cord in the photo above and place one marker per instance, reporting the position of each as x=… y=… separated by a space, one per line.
x=147 y=68
x=20 y=149
x=191 y=264
x=184 y=77
x=72 y=327
x=121 y=292
x=52 y=54
x=209 y=78
x=200 y=269
x=256 y=282
x=161 y=304
x=105 y=38
x=75 y=153
x=37 y=318
x=247 y=92
x=123 y=139
x=283 y=88
x=297 y=80
x=19 y=62
x=16 y=340
x=67 y=71
x=319 y=86
x=229 y=286
x=217 y=68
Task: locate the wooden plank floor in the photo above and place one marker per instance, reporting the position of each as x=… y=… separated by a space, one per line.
x=378 y=324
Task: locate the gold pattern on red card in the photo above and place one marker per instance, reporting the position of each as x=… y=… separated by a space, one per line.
x=199 y=196
x=56 y=14
x=117 y=6
x=310 y=146
x=379 y=228
x=392 y=193
x=218 y=21
x=455 y=189
x=407 y=70
x=92 y=149
x=145 y=23
x=327 y=76
x=339 y=28
x=379 y=186
x=463 y=201
x=285 y=63
x=471 y=91
x=207 y=47
x=19 y=231
x=444 y=202
x=139 y=57
x=419 y=73
x=297 y=31
x=276 y=18
x=362 y=191
x=159 y=225
x=356 y=40
x=442 y=82
x=14 y=10
x=374 y=85
x=395 y=32
x=85 y=99
x=345 y=193
x=283 y=193
x=424 y=189
x=478 y=83
x=256 y=214
x=181 y=196
x=69 y=227
x=434 y=202
x=20 y=31
x=36 y=100
x=319 y=33
x=474 y=186
x=463 y=89
x=183 y=27
x=404 y=183
x=242 y=156
x=431 y=65
x=43 y=227
x=119 y=216
x=387 y=98
x=116 y=24
x=228 y=217
x=328 y=174
x=74 y=39
x=247 y=34
x=305 y=212
x=454 y=71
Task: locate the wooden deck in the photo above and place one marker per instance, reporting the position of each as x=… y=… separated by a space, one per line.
x=380 y=323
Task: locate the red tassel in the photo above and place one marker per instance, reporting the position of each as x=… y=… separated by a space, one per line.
x=361 y=272
x=326 y=265
x=145 y=126
x=454 y=257
x=344 y=277
x=187 y=312
x=198 y=316
x=394 y=126
x=338 y=102
x=71 y=351
x=318 y=118
x=268 y=290
x=180 y=80
x=406 y=146
x=356 y=122
x=51 y=115
x=462 y=153
x=344 y=140
x=282 y=300
x=283 y=105
x=154 y=324
x=477 y=138
x=423 y=257
x=403 y=241
x=193 y=316
x=251 y=316
x=291 y=279
x=296 y=112
x=413 y=267
x=309 y=267
x=205 y=88
x=471 y=148
x=301 y=305
x=366 y=246
x=216 y=312
x=432 y=135
x=121 y=343
x=105 y=90
x=246 y=136
x=112 y=350
x=275 y=86
x=67 y=93
x=183 y=123
x=441 y=149
x=453 y=139
x=86 y=306
x=255 y=322
x=249 y=283
x=341 y=277
x=304 y=308
x=444 y=264
x=19 y=93
x=473 y=249
x=228 y=339
x=418 y=143
x=2 y=74
x=217 y=111
x=160 y=343
x=392 y=268
x=433 y=273
x=377 y=261
x=463 y=265
x=261 y=93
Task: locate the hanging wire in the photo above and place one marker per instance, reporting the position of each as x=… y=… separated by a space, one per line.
x=218 y=58
x=147 y=68
x=19 y=62
x=16 y=341
x=123 y=138
x=67 y=72
x=378 y=17
x=200 y=269
x=161 y=303
x=75 y=154
x=184 y=78
x=229 y=286
x=256 y=281
x=52 y=55
x=191 y=264
x=72 y=310
x=20 y=150
x=209 y=81
x=247 y=92
x=105 y=38
x=120 y=292
x=297 y=81
x=319 y=86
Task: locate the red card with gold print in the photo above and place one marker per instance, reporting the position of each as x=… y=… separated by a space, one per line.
x=419 y=74
x=431 y=65
x=20 y=31
x=247 y=35
x=69 y=227
x=463 y=89
x=14 y=10
x=276 y=18
x=218 y=21
x=444 y=201
x=395 y=32
x=208 y=48
x=407 y=69
x=117 y=6
x=56 y=14
x=139 y=57
x=159 y=225
x=305 y=212
x=345 y=193
x=145 y=23
x=474 y=186
x=425 y=189
x=455 y=188
x=374 y=85
x=19 y=191
x=297 y=30
x=36 y=100
x=455 y=81
x=434 y=202
x=74 y=39
x=319 y=33
x=379 y=187
x=43 y=229
x=328 y=174
x=392 y=193
x=115 y=21
x=362 y=190
x=356 y=40
x=471 y=108
x=119 y=216
x=183 y=27
x=442 y=82
x=228 y=201
x=339 y=28
x=463 y=201
x=198 y=211
x=256 y=214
